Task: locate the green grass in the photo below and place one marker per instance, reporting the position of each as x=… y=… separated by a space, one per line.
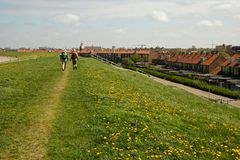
x=108 y=113
x=23 y=86
x=15 y=54
x=26 y=56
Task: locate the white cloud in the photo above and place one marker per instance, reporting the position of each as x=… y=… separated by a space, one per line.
x=209 y=23
x=121 y=30
x=225 y=6
x=99 y=16
x=160 y=16
x=57 y=33
x=237 y=17
x=68 y=19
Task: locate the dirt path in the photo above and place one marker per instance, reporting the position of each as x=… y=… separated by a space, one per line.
x=6 y=59
x=13 y=60
x=33 y=146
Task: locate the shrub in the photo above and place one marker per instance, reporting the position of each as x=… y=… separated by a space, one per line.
x=136 y=58
x=127 y=62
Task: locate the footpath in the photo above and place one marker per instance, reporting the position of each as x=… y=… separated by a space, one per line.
x=34 y=145
x=6 y=59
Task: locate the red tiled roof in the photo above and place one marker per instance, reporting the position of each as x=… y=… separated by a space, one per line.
x=188 y=58
x=195 y=59
x=235 y=60
x=141 y=52
x=24 y=50
x=236 y=56
x=164 y=56
x=235 y=63
x=172 y=59
x=210 y=60
x=191 y=59
x=103 y=52
x=31 y=50
x=216 y=71
x=84 y=51
x=183 y=57
x=179 y=57
x=123 y=51
x=226 y=62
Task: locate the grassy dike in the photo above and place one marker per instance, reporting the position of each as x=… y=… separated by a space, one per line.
x=107 y=113
x=24 y=86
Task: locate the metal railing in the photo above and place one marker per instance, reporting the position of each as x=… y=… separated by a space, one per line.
x=105 y=60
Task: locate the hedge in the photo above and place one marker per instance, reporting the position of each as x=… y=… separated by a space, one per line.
x=193 y=83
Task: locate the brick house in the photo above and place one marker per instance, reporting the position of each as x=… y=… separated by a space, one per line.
x=212 y=64
x=118 y=55
x=205 y=63
x=231 y=66
x=85 y=53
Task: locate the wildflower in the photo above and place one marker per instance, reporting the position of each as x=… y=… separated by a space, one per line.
x=98 y=153
x=237 y=151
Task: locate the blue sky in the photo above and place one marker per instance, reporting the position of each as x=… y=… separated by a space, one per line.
x=122 y=23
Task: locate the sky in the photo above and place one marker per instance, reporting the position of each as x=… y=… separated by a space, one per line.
x=120 y=23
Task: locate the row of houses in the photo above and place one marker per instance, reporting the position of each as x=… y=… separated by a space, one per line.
x=116 y=55
x=231 y=66
x=113 y=55
x=37 y=50
x=205 y=63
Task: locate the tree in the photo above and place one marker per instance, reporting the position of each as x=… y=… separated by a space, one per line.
x=135 y=58
x=127 y=62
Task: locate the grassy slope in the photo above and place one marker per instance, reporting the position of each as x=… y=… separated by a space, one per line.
x=108 y=114
x=23 y=85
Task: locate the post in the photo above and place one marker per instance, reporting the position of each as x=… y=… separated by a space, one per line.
x=209 y=89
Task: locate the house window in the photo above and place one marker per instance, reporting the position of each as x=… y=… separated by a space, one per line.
x=226 y=70
x=236 y=72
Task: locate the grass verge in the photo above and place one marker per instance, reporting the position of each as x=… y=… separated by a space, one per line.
x=108 y=113
x=24 y=86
